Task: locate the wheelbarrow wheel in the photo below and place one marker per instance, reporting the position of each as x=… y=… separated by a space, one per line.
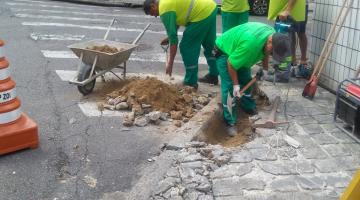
x=84 y=73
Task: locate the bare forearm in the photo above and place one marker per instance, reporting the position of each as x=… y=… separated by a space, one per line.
x=233 y=74
x=173 y=50
x=291 y=5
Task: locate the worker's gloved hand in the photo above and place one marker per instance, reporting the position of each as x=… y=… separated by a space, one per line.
x=236 y=91
x=165 y=41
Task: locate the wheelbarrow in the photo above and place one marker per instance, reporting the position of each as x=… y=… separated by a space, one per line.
x=93 y=63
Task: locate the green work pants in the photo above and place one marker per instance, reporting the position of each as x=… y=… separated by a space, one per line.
x=197 y=34
x=232 y=19
x=244 y=76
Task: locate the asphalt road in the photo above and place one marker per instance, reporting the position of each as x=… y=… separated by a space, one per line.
x=80 y=156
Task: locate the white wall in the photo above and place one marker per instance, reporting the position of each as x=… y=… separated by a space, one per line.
x=345 y=57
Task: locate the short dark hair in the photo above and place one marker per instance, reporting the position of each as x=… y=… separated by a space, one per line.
x=147 y=6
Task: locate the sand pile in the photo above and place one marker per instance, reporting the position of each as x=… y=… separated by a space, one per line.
x=152 y=100
x=105 y=49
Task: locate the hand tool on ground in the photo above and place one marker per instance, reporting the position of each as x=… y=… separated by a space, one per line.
x=230 y=99
x=165 y=47
x=311 y=86
x=271 y=123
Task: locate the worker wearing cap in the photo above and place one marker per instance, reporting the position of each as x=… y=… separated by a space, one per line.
x=199 y=19
x=298 y=10
x=233 y=13
x=237 y=50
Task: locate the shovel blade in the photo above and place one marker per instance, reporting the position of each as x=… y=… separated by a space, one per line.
x=310 y=88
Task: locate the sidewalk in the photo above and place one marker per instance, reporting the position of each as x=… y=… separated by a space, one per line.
x=268 y=167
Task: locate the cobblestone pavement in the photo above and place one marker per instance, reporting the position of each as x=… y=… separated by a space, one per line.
x=268 y=167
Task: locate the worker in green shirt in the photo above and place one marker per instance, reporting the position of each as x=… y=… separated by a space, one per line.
x=233 y=13
x=236 y=51
x=199 y=19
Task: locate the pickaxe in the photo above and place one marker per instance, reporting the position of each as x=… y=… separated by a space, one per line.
x=271 y=123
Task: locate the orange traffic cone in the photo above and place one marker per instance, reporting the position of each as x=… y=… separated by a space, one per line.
x=17 y=130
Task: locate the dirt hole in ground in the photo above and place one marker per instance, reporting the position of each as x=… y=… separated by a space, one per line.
x=215 y=132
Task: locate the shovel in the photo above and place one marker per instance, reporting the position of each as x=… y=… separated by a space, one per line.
x=311 y=86
x=230 y=99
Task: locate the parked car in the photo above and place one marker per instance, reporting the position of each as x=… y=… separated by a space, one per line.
x=257 y=7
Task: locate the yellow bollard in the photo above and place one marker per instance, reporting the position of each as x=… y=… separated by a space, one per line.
x=352 y=192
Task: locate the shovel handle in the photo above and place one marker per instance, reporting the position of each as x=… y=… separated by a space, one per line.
x=109 y=27
x=247 y=86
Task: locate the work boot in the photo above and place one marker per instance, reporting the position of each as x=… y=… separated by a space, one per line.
x=231 y=130
x=209 y=79
x=193 y=86
x=303 y=71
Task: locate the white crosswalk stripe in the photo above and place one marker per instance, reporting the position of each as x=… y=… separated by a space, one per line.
x=48 y=6
x=47 y=17
x=152 y=57
x=39 y=36
x=95 y=14
x=66 y=25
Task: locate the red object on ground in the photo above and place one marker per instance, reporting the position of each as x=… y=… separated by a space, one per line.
x=354 y=90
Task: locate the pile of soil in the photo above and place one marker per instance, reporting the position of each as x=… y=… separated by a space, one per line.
x=152 y=98
x=105 y=49
x=159 y=95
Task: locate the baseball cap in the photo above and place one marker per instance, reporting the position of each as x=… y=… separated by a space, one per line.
x=281 y=47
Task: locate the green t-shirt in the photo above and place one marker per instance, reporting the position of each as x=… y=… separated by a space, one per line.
x=237 y=6
x=244 y=44
x=173 y=14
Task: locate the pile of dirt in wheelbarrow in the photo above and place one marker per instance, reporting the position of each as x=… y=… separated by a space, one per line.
x=105 y=49
x=152 y=100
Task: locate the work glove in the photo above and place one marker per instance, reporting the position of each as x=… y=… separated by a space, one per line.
x=236 y=91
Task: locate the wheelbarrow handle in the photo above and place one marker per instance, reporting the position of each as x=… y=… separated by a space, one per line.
x=109 y=27
x=141 y=34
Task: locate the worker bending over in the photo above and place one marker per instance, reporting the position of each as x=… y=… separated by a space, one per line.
x=237 y=50
x=199 y=19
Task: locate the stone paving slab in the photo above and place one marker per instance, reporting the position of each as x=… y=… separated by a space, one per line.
x=268 y=168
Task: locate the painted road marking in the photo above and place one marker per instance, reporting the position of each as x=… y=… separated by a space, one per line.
x=70 y=18
x=39 y=36
x=82 y=13
x=90 y=27
x=90 y=109
x=148 y=57
x=49 y=6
